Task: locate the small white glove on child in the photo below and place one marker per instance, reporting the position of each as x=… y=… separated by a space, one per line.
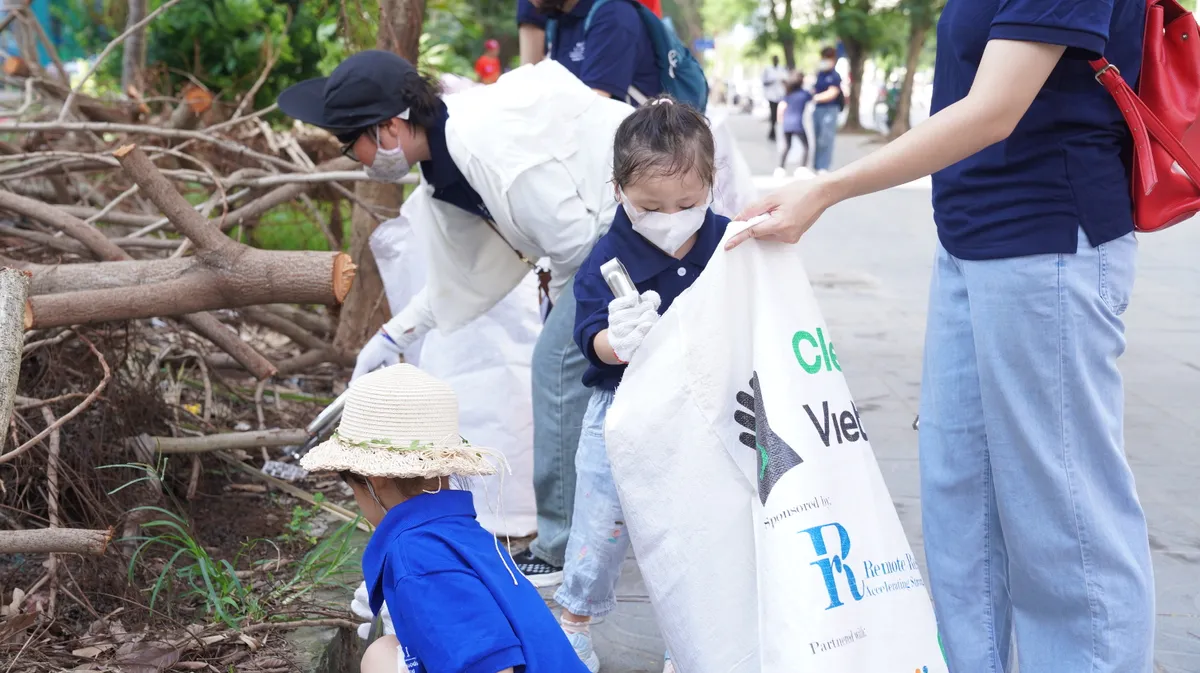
x=361 y=607
x=630 y=320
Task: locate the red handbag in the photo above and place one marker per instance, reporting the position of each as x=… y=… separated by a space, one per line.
x=1163 y=117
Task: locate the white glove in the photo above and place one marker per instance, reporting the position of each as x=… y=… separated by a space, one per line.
x=383 y=350
x=629 y=321
x=361 y=607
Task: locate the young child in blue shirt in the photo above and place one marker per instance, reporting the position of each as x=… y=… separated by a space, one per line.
x=664 y=233
x=791 y=120
x=456 y=599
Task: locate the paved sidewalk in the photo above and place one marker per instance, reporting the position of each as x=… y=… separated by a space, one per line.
x=869 y=262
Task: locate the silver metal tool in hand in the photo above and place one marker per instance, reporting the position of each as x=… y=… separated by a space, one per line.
x=322 y=426
x=618 y=278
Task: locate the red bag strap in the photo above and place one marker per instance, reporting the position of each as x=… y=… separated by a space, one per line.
x=1143 y=124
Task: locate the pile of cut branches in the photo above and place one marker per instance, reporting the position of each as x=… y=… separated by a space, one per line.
x=141 y=335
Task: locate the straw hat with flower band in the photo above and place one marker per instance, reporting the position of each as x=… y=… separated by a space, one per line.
x=399 y=422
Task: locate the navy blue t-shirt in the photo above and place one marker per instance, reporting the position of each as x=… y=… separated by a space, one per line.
x=614 y=55
x=527 y=14
x=826 y=79
x=1063 y=167
x=793 y=114
x=440 y=171
x=456 y=602
x=649 y=268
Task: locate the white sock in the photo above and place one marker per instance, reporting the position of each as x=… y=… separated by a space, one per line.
x=571 y=627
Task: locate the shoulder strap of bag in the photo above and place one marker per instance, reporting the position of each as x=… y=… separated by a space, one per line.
x=1144 y=124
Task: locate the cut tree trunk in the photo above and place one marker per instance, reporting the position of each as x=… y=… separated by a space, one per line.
x=14 y=287
x=366 y=308
x=222 y=274
x=55 y=541
x=133 y=63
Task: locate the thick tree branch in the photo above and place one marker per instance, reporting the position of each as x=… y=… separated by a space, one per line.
x=14 y=286
x=55 y=541
x=72 y=226
x=221 y=442
x=238 y=276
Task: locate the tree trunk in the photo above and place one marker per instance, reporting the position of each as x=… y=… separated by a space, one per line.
x=14 y=287
x=366 y=307
x=919 y=28
x=134 y=62
x=857 y=57
x=222 y=274
x=55 y=540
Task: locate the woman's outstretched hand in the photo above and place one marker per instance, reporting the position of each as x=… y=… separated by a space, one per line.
x=793 y=208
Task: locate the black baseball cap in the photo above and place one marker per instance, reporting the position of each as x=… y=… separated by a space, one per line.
x=366 y=89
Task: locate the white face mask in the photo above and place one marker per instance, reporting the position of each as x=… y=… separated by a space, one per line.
x=826 y=65
x=667 y=231
x=389 y=165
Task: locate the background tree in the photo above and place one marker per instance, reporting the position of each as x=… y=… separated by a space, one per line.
x=922 y=16
x=861 y=28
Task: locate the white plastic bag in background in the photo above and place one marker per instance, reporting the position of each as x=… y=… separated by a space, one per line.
x=758 y=514
x=734 y=188
x=487 y=362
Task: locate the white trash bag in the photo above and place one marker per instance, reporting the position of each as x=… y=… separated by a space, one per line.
x=488 y=362
x=757 y=511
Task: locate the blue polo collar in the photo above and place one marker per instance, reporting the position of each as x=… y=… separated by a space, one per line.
x=407 y=515
x=440 y=170
x=644 y=261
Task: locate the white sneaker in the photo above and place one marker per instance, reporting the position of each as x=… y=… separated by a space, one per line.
x=582 y=643
x=781 y=172
x=803 y=172
x=668 y=665
x=822 y=171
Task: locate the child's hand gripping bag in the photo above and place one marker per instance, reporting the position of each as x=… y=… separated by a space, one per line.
x=757 y=511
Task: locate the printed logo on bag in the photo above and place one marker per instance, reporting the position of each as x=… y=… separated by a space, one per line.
x=842 y=427
x=775 y=456
x=814 y=353
x=835 y=563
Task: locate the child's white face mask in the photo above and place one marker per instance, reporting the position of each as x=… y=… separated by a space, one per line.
x=667 y=231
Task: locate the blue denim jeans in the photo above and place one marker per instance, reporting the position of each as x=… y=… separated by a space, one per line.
x=825 y=125
x=559 y=401
x=599 y=539
x=1030 y=515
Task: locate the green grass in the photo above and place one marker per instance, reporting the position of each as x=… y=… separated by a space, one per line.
x=190 y=574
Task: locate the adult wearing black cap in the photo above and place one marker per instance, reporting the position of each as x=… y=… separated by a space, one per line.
x=516 y=171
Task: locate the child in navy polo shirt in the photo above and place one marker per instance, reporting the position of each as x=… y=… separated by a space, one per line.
x=457 y=601
x=664 y=233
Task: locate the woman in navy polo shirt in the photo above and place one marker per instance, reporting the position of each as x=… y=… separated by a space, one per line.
x=1030 y=516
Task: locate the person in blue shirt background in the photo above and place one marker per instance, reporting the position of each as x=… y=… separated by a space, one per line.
x=791 y=120
x=664 y=233
x=531 y=32
x=455 y=597
x=614 y=57
x=827 y=94
x=1030 y=515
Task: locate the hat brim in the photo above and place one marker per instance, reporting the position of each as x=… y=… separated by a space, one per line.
x=306 y=101
x=334 y=455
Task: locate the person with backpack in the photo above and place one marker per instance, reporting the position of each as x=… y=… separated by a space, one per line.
x=531 y=29
x=829 y=101
x=1030 y=516
x=622 y=50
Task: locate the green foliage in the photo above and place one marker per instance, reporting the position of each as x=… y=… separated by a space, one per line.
x=299 y=529
x=189 y=572
x=722 y=15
